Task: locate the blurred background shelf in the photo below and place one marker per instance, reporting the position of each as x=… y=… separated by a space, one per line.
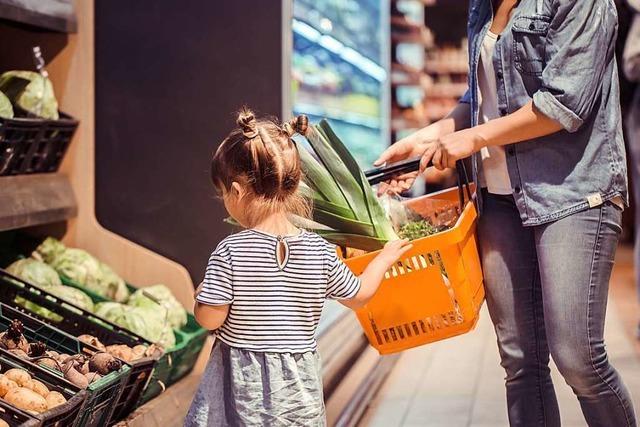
x=52 y=15
x=28 y=200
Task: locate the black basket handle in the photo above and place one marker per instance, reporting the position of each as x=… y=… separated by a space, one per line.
x=384 y=173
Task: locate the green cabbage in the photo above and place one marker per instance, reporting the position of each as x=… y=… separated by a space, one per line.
x=73 y=296
x=35 y=272
x=83 y=269
x=169 y=305
x=30 y=91
x=6 y=109
x=142 y=321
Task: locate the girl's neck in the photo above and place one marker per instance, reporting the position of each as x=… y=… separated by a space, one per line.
x=277 y=224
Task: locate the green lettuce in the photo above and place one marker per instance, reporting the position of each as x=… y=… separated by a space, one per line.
x=145 y=322
x=35 y=272
x=168 y=304
x=6 y=109
x=30 y=91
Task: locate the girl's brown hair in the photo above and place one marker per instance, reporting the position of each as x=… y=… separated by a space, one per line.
x=262 y=156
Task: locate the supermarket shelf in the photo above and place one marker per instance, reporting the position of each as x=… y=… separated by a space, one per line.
x=53 y=15
x=399 y=21
x=446 y=90
x=27 y=200
x=415 y=38
x=446 y=67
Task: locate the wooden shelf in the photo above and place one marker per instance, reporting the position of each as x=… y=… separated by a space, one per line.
x=53 y=15
x=27 y=200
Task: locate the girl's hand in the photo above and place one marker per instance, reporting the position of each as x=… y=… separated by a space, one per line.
x=443 y=152
x=393 y=251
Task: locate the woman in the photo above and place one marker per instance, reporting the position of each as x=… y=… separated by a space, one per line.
x=546 y=139
x=631 y=58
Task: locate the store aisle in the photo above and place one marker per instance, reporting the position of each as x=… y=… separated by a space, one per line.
x=459 y=382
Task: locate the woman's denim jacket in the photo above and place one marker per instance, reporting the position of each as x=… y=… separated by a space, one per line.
x=561 y=55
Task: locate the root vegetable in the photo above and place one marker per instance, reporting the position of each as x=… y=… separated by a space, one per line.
x=49 y=363
x=12 y=338
x=54 y=399
x=62 y=358
x=37 y=349
x=6 y=384
x=154 y=350
x=91 y=340
x=103 y=363
x=38 y=387
x=75 y=377
x=20 y=376
x=138 y=351
x=19 y=353
x=84 y=369
x=92 y=376
x=121 y=351
x=26 y=399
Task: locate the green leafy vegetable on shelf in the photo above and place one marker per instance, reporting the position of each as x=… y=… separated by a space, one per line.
x=6 y=109
x=35 y=272
x=84 y=269
x=31 y=92
x=177 y=315
x=346 y=209
x=148 y=323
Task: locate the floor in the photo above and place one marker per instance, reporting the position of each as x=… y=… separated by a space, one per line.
x=459 y=382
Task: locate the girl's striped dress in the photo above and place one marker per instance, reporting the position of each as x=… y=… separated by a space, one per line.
x=264 y=369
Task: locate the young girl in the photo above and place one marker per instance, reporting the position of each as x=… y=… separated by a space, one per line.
x=265 y=287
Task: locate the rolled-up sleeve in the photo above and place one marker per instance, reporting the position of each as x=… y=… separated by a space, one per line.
x=579 y=47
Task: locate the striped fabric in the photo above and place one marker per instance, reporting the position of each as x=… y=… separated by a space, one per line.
x=274 y=308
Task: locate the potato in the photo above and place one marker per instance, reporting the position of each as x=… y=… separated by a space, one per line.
x=54 y=399
x=6 y=384
x=38 y=387
x=20 y=376
x=121 y=351
x=25 y=399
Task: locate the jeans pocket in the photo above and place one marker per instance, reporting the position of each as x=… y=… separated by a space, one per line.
x=529 y=34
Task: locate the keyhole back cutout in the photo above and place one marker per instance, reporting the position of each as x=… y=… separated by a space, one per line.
x=282 y=253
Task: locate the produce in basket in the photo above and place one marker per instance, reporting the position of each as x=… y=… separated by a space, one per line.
x=19 y=389
x=31 y=92
x=159 y=297
x=123 y=351
x=347 y=211
x=84 y=269
x=149 y=323
x=35 y=272
x=6 y=109
x=44 y=276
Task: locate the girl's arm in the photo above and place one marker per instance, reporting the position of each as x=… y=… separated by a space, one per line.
x=210 y=316
x=372 y=276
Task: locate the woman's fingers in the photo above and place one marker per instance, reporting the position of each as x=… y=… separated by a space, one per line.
x=426 y=158
x=398 y=151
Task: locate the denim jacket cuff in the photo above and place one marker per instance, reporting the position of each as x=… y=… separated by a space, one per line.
x=552 y=108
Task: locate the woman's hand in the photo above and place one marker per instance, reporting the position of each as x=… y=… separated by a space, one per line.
x=445 y=151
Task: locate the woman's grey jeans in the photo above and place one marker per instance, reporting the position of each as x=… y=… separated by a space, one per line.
x=546 y=289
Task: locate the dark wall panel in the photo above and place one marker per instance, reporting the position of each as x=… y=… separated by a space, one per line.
x=169 y=75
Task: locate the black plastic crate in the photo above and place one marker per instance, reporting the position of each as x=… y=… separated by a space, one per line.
x=15 y=417
x=65 y=415
x=32 y=145
x=77 y=321
x=98 y=408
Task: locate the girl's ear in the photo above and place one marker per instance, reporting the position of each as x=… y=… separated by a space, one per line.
x=237 y=190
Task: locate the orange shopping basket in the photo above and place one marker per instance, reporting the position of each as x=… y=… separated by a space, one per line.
x=436 y=291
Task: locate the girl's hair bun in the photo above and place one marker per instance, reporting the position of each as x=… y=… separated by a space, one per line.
x=299 y=124
x=247 y=123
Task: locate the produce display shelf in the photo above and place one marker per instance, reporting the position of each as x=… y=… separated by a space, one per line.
x=67 y=414
x=77 y=321
x=14 y=416
x=97 y=409
x=177 y=361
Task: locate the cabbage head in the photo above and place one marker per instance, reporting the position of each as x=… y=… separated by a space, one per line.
x=35 y=272
x=30 y=91
x=83 y=269
x=141 y=321
x=6 y=109
x=169 y=305
x=73 y=296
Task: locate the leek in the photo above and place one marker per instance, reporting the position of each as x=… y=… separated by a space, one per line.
x=346 y=210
